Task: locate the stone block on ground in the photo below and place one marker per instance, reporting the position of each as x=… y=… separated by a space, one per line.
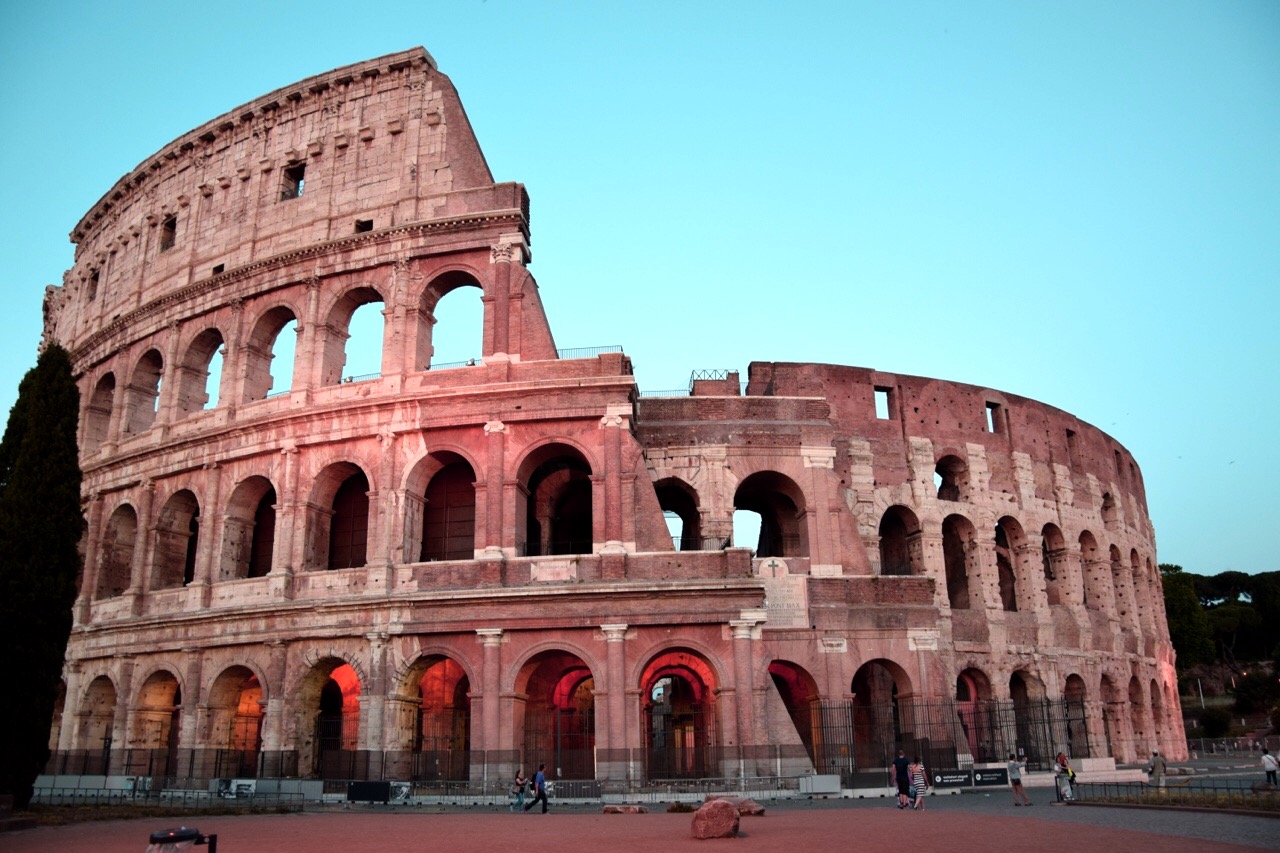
x=626 y=809
x=745 y=805
x=716 y=819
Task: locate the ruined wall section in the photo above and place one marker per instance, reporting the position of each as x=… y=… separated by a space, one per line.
x=381 y=143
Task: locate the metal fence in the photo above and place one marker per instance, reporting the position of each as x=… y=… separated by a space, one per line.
x=1233 y=745
x=586 y=352
x=1188 y=793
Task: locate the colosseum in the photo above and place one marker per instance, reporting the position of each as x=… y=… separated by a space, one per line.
x=439 y=572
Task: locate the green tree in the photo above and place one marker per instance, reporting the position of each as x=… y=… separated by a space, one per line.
x=40 y=526
x=1188 y=624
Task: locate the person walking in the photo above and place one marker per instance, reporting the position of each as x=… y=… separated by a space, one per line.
x=1270 y=764
x=902 y=778
x=919 y=779
x=1016 y=767
x=1064 y=776
x=539 y=789
x=518 y=786
x=1156 y=769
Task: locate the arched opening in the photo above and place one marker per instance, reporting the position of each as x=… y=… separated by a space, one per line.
x=449 y=512
x=274 y=336
x=95 y=734
x=901 y=552
x=951 y=476
x=329 y=702
x=957 y=550
x=351 y=344
x=199 y=374
x=880 y=721
x=1035 y=720
x=679 y=504
x=1095 y=572
x=177 y=541
x=1074 y=695
x=142 y=397
x=97 y=415
x=115 y=567
x=1120 y=584
x=1053 y=556
x=441 y=746
x=1108 y=511
x=1008 y=538
x=798 y=693
x=157 y=719
x=678 y=711
x=974 y=711
x=338 y=518
x=558 y=512
x=1158 y=721
x=1137 y=719
x=781 y=506
x=559 y=720
x=249 y=530
x=451 y=329
x=235 y=722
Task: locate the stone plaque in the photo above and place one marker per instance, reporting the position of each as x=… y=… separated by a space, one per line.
x=550 y=571
x=787 y=601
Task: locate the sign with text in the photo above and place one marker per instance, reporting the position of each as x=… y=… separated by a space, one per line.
x=952 y=778
x=991 y=776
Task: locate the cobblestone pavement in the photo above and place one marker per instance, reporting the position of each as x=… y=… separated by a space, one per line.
x=967 y=823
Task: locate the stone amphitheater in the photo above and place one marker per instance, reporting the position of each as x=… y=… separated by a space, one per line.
x=437 y=573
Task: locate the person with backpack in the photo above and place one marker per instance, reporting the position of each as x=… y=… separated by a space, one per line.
x=539 y=789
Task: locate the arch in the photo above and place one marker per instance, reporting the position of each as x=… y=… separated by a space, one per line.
x=951 y=476
x=557 y=501
x=557 y=726
x=973 y=709
x=679 y=500
x=195 y=373
x=235 y=711
x=248 y=530
x=449 y=511
x=1075 y=722
x=1035 y=719
x=1053 y=556
x=115 y=566
x=1120 y=586
x=157 y=719
x=1108 y=511
x=177 y=541
x=335 y=335
x=450 y=342
x=780 y=503
x=1094 y=568
x=959 y=557
x=96 y=722
x=1158 y=720
x=328 y=703
x=1137 y=717
x=434 y=720
x=97 y=414
x=1009 y=538
x=142 y=396
x=879 y=694
x=338 y=518
x=260 y=381
x=901 y=550
x=678 y=710
x=799 y=694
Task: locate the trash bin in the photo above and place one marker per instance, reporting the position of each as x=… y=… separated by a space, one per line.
x=182 y=838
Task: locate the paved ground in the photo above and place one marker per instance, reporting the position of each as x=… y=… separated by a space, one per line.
x=969 y=823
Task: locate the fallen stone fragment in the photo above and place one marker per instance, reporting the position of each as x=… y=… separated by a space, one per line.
x=745 y=805
x=626 y=809
x=716 y=819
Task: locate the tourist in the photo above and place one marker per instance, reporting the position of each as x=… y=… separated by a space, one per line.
x=1156 y=769
x=517 y=788
x=920 y=781
x=1271 y=765
x=1016 y=767
x=902 y=778
x=539 y=789
x=1064 y=776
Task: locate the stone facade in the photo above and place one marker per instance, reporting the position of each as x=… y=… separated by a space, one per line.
x=443 y=571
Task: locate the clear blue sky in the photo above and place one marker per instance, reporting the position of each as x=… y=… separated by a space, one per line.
x=1077 y=202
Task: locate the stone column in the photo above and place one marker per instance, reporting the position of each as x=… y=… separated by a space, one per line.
x=491 y=539
x=69 y=732
x=122 y=719
x=373 y=703
x=491 y=678
x=274 y=693
x=501 y=258
x=92 y=547
x=822 y=523
x=139 y=572
x=199 y=593
x=287 y=509
x=616 y=419
x=744 y=631
x=613 y=764
x=231 y=383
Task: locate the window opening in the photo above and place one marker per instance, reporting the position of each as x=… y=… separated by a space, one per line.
x=1071 y=447
x=882 y=404
x=363 y=225
x=993 y=417
x=168 y=233
x=93 y=286
x=219 y=269
x=295 y=182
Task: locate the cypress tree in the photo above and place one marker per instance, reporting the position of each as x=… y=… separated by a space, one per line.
x=41 y=522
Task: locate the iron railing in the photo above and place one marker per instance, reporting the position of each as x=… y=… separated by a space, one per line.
x=586 y=352
x=1182 y=793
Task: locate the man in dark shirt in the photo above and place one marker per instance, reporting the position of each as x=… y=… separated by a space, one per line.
x=900 y=775
x=539 y=789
